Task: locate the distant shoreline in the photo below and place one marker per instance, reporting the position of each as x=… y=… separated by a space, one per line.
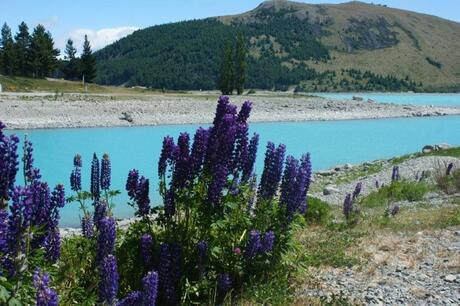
x=41 y=111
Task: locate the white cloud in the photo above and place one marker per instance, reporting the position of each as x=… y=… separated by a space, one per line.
x=97 y=38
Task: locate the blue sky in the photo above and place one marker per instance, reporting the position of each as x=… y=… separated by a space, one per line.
x=105 y=21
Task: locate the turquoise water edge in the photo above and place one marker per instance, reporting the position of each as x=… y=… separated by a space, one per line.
x=329 y=142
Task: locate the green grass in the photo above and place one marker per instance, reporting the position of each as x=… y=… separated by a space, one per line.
x=452 y=152
x=397 y=191
x=22 y=84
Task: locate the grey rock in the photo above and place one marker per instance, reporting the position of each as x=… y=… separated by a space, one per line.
x=450 y=278
x=330 y=190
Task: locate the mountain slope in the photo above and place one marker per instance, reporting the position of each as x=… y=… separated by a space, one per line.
x=321 y=47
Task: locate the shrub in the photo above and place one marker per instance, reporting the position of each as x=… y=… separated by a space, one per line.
x=397 y=191
x=318 y=212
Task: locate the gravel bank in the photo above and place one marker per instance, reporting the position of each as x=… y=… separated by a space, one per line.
x=29 y=111
x=416 y=269
x=410 y=169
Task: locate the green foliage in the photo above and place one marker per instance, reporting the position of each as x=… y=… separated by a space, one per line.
x=318 y=212
x=226 y=79
x=71 y=67
x=87 y=62
x=240 y=64
x=433 y=62
x=43 y=53
x=396 y=191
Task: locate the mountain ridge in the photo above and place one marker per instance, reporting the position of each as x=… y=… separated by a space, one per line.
x=317 y=46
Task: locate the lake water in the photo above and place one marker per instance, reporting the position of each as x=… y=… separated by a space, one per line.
x=401 y=98
x=330 y=143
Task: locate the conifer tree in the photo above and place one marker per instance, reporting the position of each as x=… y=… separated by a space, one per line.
x=240 y=64
x=7 y=51
x=88 y=62
x=71 y=69
x=226 y=70
x=43 y=53
x=22 y=48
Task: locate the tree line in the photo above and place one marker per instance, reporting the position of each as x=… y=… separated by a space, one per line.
x=34 y=55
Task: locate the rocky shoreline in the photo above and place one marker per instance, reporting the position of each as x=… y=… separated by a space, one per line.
x=32 y=111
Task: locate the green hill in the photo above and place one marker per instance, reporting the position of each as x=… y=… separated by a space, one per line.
x=350 y=46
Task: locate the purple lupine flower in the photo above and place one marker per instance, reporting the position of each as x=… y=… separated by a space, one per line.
x=169 y=204
x=224 y=284
x=197 y=155
x=58 y=196
x=348 y=206
x=142 y=197
x=357 y=191
x=253 y=245
x=108 y=285
x=20 y=217
x=75 y=179
x=8 y=162
x=106 y=238
x=167 y=152
x=241 y=151
x=169 y=272
x=245 y=111
x=288 y=181
x=222 y=136
x=132 y=182
x=146 y=249
x=251 y=159
x=181 y=175
x=45 y=295
x=77 y=161
x=219 y=178
x=53 y=245
x=105 y=172
x=30 y=173
x=150 y=286
x=100 y=211
x=87 y=226
x=267 y=242
x=132 y=299
x=273 y=168
x=95 y=177
x=221 y=109
x=395 y=174
x=449 y=168
x=3 y=231
x=395 y=210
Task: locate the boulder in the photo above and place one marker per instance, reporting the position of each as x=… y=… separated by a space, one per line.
x=428 y=149
x=443 y=146
x=356 y=98
x=330 y=190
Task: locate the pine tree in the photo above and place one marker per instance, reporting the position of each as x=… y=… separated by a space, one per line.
x=71 y=69
x=22 y=47
x=240 y=64
x=7 y=51
x=226 y=71
x=88 y=62
x=43 y=53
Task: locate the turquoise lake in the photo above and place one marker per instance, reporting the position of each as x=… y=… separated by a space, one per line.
x=330 y=143
x=448 y=99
